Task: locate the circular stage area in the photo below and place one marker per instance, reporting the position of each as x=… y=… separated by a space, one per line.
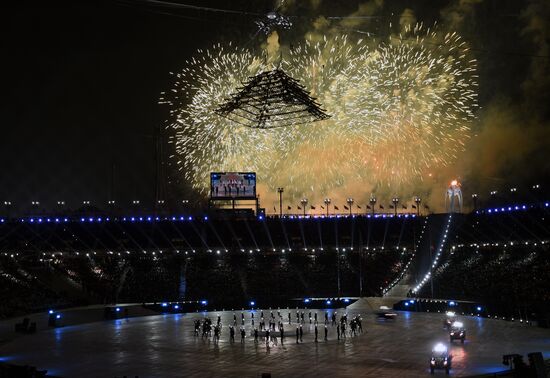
x=165 y=346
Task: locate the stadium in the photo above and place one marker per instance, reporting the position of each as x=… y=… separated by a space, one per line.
x=344 y=188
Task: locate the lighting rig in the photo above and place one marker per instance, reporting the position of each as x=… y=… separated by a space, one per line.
x=271 y=99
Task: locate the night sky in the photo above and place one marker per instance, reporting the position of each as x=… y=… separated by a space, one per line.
x=81 y=81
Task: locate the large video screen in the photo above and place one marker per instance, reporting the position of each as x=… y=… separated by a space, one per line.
x=233 y=185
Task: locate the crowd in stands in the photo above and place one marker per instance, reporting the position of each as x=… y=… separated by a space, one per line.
x=510 y=278
x=515 y=225
x=224 y=279
x=239 y=260
x=86 y=262
x=500 y=259
x=22 y=293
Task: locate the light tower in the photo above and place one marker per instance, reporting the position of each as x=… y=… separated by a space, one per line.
x=372 y=202
x=417 y=201
x=327 y=203
x=303 y=201
x=135 y=205
x=395 y=201
x=7 y=205
x=350 y=204
x=35 y=206
x=280 y=191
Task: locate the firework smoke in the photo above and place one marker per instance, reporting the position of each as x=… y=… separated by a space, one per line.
x=401 y=108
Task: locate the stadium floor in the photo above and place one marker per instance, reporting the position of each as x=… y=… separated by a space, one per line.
x=165 y=346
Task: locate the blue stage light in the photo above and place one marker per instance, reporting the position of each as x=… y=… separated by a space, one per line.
x=407 y=304
x=164 y=304
x=205 y=218
x=149 y=219
x=117 y=309
x=182 y=218
x=50 y=312
x=411 y=301
x=329 y=302
x=190 y=218
x=306 y=300
x=261 y=217
x=252 y=303
x=452 y=303
x=176 y=307
x=91 y=219
x=58 y=316
x=478 y=308
x=132 y=219
x=346 y=300
x=204 y=303
x=39 y=220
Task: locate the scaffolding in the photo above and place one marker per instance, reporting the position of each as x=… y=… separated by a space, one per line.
x=272 y=99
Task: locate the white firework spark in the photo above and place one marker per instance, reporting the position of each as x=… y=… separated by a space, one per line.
x=400 y=109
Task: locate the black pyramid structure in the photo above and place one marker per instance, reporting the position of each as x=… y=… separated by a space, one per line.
x=271 y=99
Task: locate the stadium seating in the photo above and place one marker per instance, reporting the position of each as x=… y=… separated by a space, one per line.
x=231 y=262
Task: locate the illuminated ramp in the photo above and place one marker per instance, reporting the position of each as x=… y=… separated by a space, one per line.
x=434 y=240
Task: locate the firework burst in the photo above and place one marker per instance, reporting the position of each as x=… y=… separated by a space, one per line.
x=400 y=108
